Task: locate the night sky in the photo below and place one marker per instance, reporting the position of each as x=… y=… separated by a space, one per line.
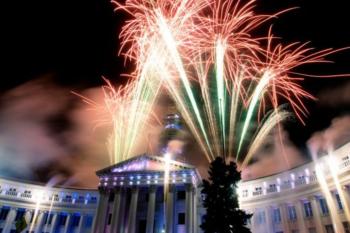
x=76 y=42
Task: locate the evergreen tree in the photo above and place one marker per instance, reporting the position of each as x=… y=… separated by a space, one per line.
x=221 y=200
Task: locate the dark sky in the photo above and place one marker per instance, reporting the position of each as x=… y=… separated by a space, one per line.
x=77 y=42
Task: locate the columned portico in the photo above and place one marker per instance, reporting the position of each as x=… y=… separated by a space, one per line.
x=144 y=201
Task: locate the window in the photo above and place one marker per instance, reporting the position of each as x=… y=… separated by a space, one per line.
x=308 y=209
x=181 y=218
x=48 y=219
x=109 y=219
x=277 y=216
x=346 y=226
x=44 y=218
x=295 y=231
x=88 y=222
x=62 y=219
x=245 y=193
x=75 y=220
x=312 y=230
x=261 y=219
x=324 y=206
x=272 y=188
x=340 y=205
x=258 y=191
x=181 y=195
x=329 y=229
x=292 y=214
x=20 y=214
x=4 y=212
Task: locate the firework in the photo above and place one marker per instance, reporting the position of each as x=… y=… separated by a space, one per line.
x=127 y=109
x=228 y=85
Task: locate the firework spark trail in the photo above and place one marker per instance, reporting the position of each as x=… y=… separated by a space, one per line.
x=222 y=79
x=128 y=108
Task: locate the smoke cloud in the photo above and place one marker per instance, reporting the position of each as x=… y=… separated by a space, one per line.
x=277 y=154
x=46 y=131
x=337 y=134
x=336 y=96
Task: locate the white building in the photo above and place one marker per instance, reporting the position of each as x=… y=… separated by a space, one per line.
x=311 y=198
x=48 y=210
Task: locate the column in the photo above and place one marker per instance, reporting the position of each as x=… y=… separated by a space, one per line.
x=170 y=210
x=346 y=194
x=189 y=208
x=27 y=217
x=317 y=217
x=151 y=209
x=9 y=220
x=67 y=224
x=284 y=215
x=195 y=211
x=121 y=227
x=269 y=222
x=40 y=222
x=81 y=226
x=100 y=218
x=300 y=216
x=116 y=211
x=132 y=210
x=54 y=222
x=252 y=221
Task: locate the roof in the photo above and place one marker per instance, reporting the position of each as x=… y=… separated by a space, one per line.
x=144 y=163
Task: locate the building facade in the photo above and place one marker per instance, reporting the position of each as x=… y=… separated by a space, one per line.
x=45 y=209
x=138 y=196
x=314 y=197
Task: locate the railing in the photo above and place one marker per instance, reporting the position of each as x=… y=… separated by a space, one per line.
x=271 y=190
x=257 y=193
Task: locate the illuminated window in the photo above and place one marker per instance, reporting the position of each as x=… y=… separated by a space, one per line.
x=324 y=206
x=340 y=205
x=261 y=218
x=292 y=214
x=277 y=216
x=308 y=209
